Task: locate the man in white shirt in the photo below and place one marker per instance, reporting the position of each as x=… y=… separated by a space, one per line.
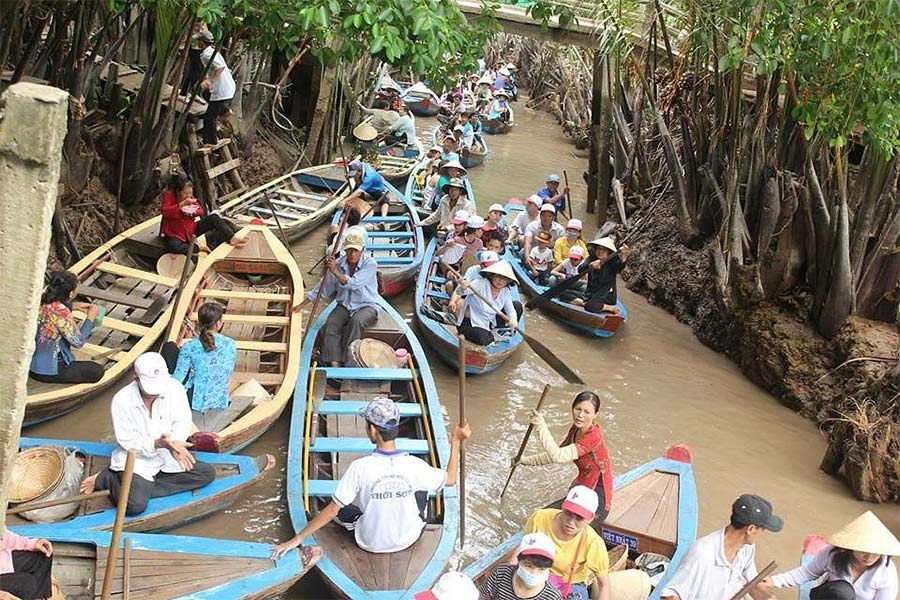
x=220 y=84
x=403 y=131
x=152 y=416
x=523 y=219
x=382 y=497
x=545 y=222
x=718 y=565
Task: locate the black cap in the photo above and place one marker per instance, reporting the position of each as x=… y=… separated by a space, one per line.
x=753 y=510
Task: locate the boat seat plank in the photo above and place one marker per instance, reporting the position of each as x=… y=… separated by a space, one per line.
x=389 y=234
x=125 y=326
x=261 y=346
x=389 y=247
x=94 y=349
x=364 y=446
x=110 y=295
x=261 y=378
x=438 y=295
x=252 y=319
x=352 y=407
x=278 y=213
x=367 y=374
x=437 y=279
x=394 y=260
x=123 y=271
x=388 y=219
x=244 y=295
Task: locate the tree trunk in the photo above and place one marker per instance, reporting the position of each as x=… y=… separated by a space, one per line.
x=317 y=140
x=838 y=301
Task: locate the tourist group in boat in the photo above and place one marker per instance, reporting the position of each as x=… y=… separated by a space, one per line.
x=199 y=312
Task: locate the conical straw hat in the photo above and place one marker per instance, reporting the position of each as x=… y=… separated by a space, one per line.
x=503 y=268
x=866 y=533
x=364 y=132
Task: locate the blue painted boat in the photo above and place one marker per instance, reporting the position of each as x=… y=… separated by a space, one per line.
x=440 y=336
x=467 y=157
x=601 y=325
x=654 y=509
x=396 y=246
x=327 y=434
x=395 y=163
x=171 y=567
x=421 y=101
x=234 y=474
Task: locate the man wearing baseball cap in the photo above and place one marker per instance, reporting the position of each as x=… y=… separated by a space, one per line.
x=151 y=416
x=382 y=497
x=451 y=586
x=718 y=565
x=544 y=222
x=370 y=186
x=529 y=577
x=552 y=194
x=571 y=239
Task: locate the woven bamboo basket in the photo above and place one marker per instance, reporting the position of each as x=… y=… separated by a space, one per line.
x=618 y=557
x=36 y=472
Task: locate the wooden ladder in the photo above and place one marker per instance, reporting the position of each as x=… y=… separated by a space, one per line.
x=217 y=166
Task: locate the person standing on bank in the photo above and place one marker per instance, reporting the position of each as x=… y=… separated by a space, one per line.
x=151 y=416
x=218 y=81
x=57 y=333
x=584 y=445
x=353 y=280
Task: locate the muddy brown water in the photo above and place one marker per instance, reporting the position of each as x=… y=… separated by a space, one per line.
x=659 y=386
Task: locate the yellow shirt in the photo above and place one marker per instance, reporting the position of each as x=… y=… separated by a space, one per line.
x=592 y=557
x=562 y=246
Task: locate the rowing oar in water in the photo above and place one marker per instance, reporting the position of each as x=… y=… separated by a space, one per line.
x=462 y=443
x=524 y=442
x=540 y=349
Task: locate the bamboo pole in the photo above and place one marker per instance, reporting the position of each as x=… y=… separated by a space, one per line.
x=462 y=443
x=524 y=441
x=113 y=550
x=56 y=502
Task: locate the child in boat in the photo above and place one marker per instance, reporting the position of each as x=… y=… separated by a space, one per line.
x=206 y=362
x=571 y=268
x=601 y=295
x=57 y=333
x=468 y=132
x=541 y=256
x=495 y=221
x=477 y=320
x=529 y=577
x=180 y=213
x=571 y=239
x=25 y=565
x=463 y=239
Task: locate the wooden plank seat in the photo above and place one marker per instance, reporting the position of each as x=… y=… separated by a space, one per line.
x=352 y=407
x=239 y=377
x=261 y=346
x=393 y=260
x=94 y=350
x=438 y=295
x=303 y=209
x=119 y=325
x=356 y=445
x=87 y=291
x=278 y=213
x=390 y=247
x=124 y=271
x=304 y=195
x=366 y=374
x=252 y=319
x=242 y=295
x=387 y=219
x=437 y=279
x=391 y=234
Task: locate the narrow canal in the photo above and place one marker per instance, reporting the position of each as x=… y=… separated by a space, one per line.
x=659 y=385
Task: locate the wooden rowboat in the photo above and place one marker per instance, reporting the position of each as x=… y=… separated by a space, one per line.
x=258 y=284
x=326 y=435
x=811 y=546
x=137 y=299
x=496 y=126
x=601 y=325
x=297 y=202
x=438 y=327
x=415 y=185
x=395 y=164
x=398 y=247
x=422 y=103
x=467 y=157
x=654 y=509
x=234 y=474
x=171 y=567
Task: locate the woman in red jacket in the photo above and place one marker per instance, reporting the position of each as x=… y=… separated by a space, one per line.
x=180 y=212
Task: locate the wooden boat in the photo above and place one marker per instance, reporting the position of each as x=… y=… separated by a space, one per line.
x=121 y=277
x=171 y=567
x=234 y=474
x=398 y=247
x=598 y=325
x=811 y=546
x=415 y=185
x=395 y=164
x=654 y=509
x=441 y=336
x=326 y=435
x=471 y=158
x=258 y=284
x=496 y=126
x=294 y=204
x=421 y=102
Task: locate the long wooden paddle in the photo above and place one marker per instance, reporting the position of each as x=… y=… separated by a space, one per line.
x=559 y=288
x=540 y=349
x=524 y=441
x=113 y=550
x=325 y=272
x=462 y=443
x=184 y=274
x=752 y=583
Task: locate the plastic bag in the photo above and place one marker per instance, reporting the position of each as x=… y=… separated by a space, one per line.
x=73 y=470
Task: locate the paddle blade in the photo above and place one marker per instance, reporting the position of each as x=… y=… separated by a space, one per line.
x=551 y=359
x=551 y=293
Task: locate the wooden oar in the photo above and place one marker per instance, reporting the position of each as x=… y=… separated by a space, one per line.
x=315 y=306
x=56 y=502
x=559 y=288
x=462 y=443
x=568 y=196
x=540 y=349
x=113 y=550
x=752 y=583
x=184 y=274
x=524 y=441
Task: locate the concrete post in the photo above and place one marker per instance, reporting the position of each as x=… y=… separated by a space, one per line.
x=32 y=130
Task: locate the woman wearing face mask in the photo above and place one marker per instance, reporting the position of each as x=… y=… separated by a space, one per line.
x=528 y=579
x=564 y=244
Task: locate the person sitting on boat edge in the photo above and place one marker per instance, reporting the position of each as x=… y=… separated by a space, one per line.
x=601 y=295
x=545 y=222
x=57 y=333
x=718 y=565
x=25 y=567
x=529 y=577
x=571 y=239
x=353 y=281
x=204 y=364
x=584 y=445
x=451 y=202
x=453 y=585
x=151 y=416
x=370 y=186
x=540 y=262
x=477 y=320
x=467 y=130
x=180 y=211
x=552 y=194
x=383 y=497
x=857 y=556
x=571 y=267
x=523 y=220
x=403 y=131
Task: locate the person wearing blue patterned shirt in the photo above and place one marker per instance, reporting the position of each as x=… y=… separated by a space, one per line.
x=205 y=363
